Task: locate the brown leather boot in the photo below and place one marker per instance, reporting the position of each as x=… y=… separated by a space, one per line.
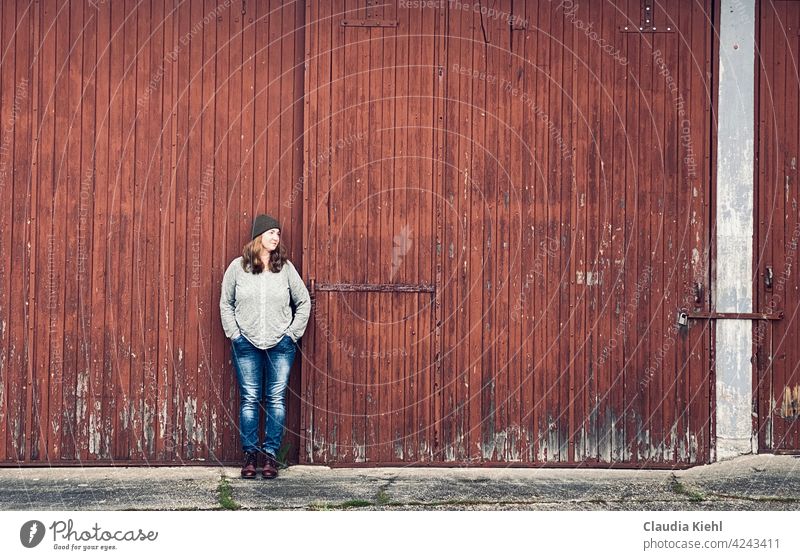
x=250 y=465
x=270 y=467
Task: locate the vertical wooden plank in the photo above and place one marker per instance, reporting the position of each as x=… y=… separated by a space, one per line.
x=319 y=224
x=314 y=413
x=541 y=347
x=476 y=223
x=685 y=195
x=790 y=198
x=389 y=94
x=699 y=359
x=374 y=121
x=166 y=439
x=652 y=377
x=492 y=386
x=776 y=220
x=193 y=154
x=360 y=181
x=602 y=307
x=182 y=332
x=307 y=407
x=251 y=199
x=614 y=421
x=645 y=198
x=40 y=227
x=414 y=156
x=209 y=296
x=222 y=405
x=71 y=165
x=99 y=418
x=586 y=140
x=648 y=182
x=140 y=68
x=630 y=246
x=524 y=313
x=6 y=216
x=267 y=180
x=452 y=375
x=130 y=386
x=418 y=257
x=236 y=225
x=15 y=136
x=294 y=31
x=338 y=388
x=36 y=446
x=673 y=294
x=503 y=429
x=566 y=336
x=155 y=136
x=86 y=387
x=556 y=382
x=56 y=259
x=517 y=294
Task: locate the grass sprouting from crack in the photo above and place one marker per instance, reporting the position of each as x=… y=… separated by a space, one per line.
x=225 y=499
x=679 y=488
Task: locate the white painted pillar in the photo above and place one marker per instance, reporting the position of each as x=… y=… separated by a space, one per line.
x=734 y=219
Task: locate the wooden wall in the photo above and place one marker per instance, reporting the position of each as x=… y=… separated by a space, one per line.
x=776 y=385
x=554 y=168
x=139 y=139
x=504 y=212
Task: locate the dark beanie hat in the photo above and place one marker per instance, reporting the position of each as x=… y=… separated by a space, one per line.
x=264 y=223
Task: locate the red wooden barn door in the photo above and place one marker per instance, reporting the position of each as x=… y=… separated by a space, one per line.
x=777 y=380
x=369 y=234
x=575 y=172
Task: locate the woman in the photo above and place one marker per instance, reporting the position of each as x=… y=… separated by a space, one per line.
x=256 y=316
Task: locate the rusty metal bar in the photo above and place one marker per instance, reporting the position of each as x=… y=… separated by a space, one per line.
x=369 y=23
x=777 y=316
x=344 y=287
x=642 y=29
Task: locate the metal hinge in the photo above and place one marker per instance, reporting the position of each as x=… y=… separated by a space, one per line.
x=369 y=23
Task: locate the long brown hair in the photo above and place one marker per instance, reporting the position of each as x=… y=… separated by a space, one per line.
x=251 y=257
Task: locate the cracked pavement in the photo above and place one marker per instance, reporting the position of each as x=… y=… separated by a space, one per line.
x=752 y=482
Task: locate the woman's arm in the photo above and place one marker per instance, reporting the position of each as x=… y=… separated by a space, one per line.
x=227 y=302
x=302 y=302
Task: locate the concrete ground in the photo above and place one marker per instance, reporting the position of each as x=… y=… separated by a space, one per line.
x=753 y=482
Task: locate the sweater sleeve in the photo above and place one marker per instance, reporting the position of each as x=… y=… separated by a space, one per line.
x=302 y=301
x=227 y=302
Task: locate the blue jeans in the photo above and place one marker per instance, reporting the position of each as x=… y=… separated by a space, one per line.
x=251 y=365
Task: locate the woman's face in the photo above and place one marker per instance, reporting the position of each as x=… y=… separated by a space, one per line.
x=270 y=239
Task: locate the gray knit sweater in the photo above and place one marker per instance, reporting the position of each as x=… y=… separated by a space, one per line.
x=257 y=305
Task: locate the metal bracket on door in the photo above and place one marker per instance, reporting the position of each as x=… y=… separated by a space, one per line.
x=369 y=23
x=371 y=19
x=684 y=316
x=647 y=22
x=384 y=288
x=345 y=287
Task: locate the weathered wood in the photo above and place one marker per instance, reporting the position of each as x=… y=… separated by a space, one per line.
x=499 y=218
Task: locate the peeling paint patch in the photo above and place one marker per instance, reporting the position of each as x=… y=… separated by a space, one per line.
x=94 y=432
x=790 y=408
x=359 y=453
x=591 y=277
x=149 y=430
x=189 y=413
